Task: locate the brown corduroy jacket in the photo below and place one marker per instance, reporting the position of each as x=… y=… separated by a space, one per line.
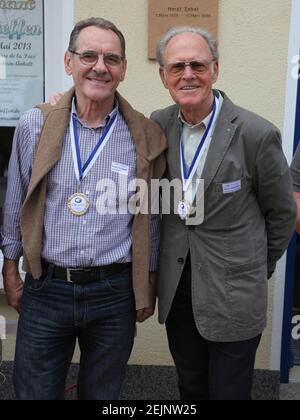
x=150 y=145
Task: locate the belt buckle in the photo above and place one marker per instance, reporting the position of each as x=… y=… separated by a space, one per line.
x=71 y=270
x=69 y=275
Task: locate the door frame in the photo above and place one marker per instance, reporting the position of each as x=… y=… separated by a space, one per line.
x=59 y=22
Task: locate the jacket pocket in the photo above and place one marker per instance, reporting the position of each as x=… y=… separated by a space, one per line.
x=247 y=294
x=231 y=203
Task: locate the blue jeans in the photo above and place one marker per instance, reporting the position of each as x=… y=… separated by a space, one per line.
x=53 y=315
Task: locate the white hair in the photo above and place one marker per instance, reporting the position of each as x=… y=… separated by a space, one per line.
x=209 y=38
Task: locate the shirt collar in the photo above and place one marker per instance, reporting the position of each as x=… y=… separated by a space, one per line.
x=204 y=122
x=186 y=124
x=106 y=120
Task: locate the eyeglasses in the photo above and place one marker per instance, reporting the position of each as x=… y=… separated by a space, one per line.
x=197 y=66
x=90 y=58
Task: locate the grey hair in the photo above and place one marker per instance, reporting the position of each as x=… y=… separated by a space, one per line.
x=209 y=38
x=99 y=23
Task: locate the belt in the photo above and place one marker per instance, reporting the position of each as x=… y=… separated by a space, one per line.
x=83 y=275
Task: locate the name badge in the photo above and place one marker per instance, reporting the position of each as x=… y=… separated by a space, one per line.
x=119 y=168
x=232 y=187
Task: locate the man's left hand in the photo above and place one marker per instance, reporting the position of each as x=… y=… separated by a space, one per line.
x=145 y=313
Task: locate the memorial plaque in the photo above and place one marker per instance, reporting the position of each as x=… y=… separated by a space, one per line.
x=21 y=58
x=165 y=14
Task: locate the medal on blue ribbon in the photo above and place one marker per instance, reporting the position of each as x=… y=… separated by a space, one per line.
x=82 y=171
x=184 y=207
x=78 y=203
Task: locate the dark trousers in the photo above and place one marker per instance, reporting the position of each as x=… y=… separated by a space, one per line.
x=207 y=370
x=54 y=313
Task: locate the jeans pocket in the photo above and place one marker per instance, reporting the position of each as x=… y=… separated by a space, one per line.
x=36 y=285
x=120 y=283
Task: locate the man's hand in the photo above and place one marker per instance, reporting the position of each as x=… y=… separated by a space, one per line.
x=13 y=284
x=53 y=99
x=145 y=313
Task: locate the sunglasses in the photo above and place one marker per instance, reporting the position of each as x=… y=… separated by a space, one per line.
x=197 y=66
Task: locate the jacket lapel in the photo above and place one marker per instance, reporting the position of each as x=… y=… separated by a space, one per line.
x=173 y=153
x=222 y=137
x=49 y=152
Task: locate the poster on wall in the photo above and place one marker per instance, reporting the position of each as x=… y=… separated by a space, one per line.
x=21 y=58
x=165 y=14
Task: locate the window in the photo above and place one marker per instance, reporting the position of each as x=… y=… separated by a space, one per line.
x=33 y=38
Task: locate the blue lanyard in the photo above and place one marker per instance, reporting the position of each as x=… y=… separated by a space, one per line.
x=187 y=174
x=82 y=169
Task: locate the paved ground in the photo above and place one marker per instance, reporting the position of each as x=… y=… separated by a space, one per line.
x=290 y=392
x=154 y=383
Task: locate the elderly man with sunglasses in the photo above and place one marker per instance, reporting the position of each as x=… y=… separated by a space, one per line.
x=215 y=263
x=90 y=260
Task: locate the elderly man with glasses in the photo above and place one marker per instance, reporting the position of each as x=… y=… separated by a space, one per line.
x=90 y=265
x=214 y=266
